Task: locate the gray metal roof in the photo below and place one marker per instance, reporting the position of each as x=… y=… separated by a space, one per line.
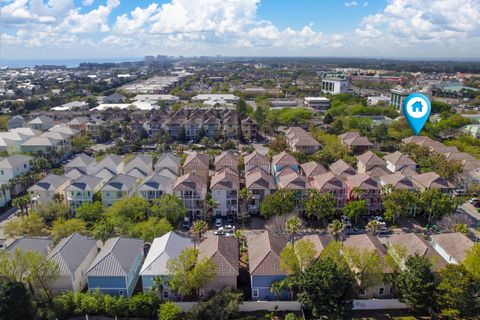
x=14 y=160
x=84 y=183
x=50 y=183
x=158 y=182
x=116 y=257
x=31 y=244
x=144 y=162
x=82 y=160
x=164 y=248
x=120 y=182
x=71 y=252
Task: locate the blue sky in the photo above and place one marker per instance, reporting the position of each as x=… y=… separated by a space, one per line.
x=53 y=29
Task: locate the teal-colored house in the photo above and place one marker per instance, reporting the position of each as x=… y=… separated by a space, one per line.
x=264 y=261
x=115 y=269
x=284 y=163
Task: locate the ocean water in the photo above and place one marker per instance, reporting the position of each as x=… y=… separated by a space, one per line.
x=70 y=63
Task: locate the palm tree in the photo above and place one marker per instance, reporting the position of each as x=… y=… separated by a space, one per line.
x=292 y=225
x=208 y=206
x=357 y=192
x=58 y=197
x=373 y=225
x=157 y=287
x=335 y=229
x=199 y=227
x=245 y=196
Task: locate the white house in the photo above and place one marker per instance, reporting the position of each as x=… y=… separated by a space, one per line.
x=225 y=188
x=82 y=190
x=120 y=186
x=73 y=255
x=13 y=166
x=43 y=191
x=397 y=161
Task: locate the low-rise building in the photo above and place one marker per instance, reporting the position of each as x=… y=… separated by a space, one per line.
x=364 y=187
x=115 y=269
x=329 y=183
x=396 y=161
x=120 y=186
x=73 y=255
x=317 y=103
x=369 y=160
x=42 y=123
x=45 y=190
x=451 y=246
x=156 y=186
x=355 y=142
x=254 y=160
x=312 y=168
x=197 y=164
x=259 y=183
x=249 y=129
x=300 y=140
x=82 y=190
x=431 y=180
x=225 y=188
x=342 y=169
x=192 y=189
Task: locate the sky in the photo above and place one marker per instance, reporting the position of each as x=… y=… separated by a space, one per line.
x=72 y=29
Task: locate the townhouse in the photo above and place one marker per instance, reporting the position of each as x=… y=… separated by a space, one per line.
x=396 y=161
x=259 y=183
x=249 y=129
x=197 y=164
x=298 y=184
x=168 y=161
x=282 y=161
x=368 y=244
x=42 y=123
x=12 y=167
x=121 y=185
x=311 y=169
x=192 y=189
x=342 y=169
x=256 y=160
x=11 y=141
x=300 y=140
x=44 y=190
x=82 y=190
x=82 y=162
x=451 y=246
x=363 y=187
x=226 y=159
x=264 y=265
x=155 y=186
x=225 y=187
x=368 y=161
x=15 y=122
x=355 y=142
x=79 y=124
x=40 y=245
x=140 y=165
x=224 y=253
x=73 y=255
x=115 y=269
x=164 y=248
x=112 y=162
x=431 y=180
x=330 y=183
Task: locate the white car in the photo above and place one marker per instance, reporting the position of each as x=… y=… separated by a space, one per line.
x=218 y=223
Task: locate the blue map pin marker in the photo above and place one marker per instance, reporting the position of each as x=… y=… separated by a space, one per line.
x=416 y=109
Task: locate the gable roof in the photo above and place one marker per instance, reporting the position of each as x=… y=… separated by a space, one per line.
x=225 y=181
x=224 y=252
x=398 y=181
x=50 y=183
x=195 y=161
x=414 y=244
x=111 y=161
x=116 y=257
x=378 y=172
x=264 y=253
x=256 y=159
x=39 y=245
x=284 y=159
x=162 y=249
x=70 y=253
x=259 y=180
x=312 y=168
x=189 y=181
x=371 y=159
x=454 y=244
x=157 y=182
x=168 y=160
x=431 y=180
x=226 y=159
x=84 y=183
x=144 y=162
x=398 y=158
x=121 y=182
x=416 y=139
x=293 y=181
x=328 y=181
x=319 y=241
x=14 y=160
x=341 y=168
x=81 y=160
x=363 y=181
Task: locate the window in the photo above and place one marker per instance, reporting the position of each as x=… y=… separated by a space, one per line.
x=255 y=293
x=121 y=292
x=2 y=172
x=25 y=166
x=363 y=292
x=381 y=291
x=165 y=294
x=391 y=290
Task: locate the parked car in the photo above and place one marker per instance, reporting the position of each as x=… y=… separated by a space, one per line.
x=383 y=231
x=351 y=231
x=186 y=223
x=218 y=223
x=221 y=233
x=230 y=220
x=229 y=228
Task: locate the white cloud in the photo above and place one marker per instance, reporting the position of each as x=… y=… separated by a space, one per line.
x=403 y=27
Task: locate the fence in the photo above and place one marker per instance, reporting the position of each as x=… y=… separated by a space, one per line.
x=250 y=306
